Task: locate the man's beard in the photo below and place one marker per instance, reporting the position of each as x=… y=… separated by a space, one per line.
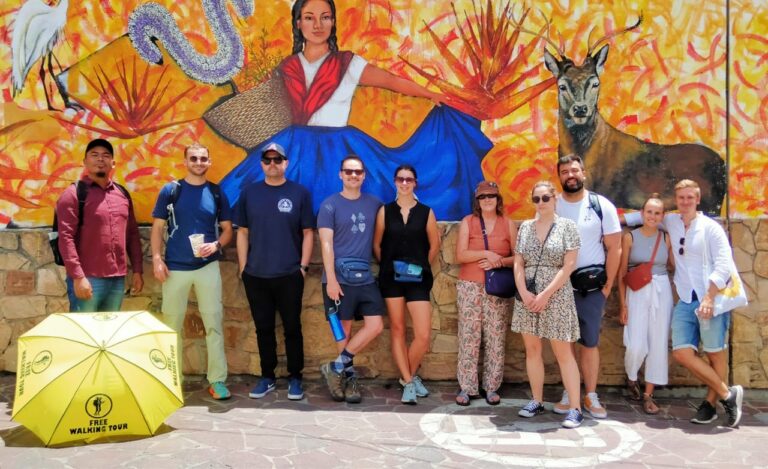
x=101 y=174
x=572 y=190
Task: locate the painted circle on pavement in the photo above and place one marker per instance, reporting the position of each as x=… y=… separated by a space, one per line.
x=498 y=435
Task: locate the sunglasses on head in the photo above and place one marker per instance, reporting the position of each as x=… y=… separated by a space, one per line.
x=350 y=172
x=681 y=251
x=544 y=198
x=486 y=196
x=277 y=160
x=405 y=180
x=195 y=159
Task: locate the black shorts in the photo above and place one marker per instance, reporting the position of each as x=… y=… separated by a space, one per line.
x=411 y=291
x=357 y=302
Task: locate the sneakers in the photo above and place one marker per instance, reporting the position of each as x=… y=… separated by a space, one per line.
x=732 y=406
x=706 y=413
x=352 y=392
x=295 y=391
x=219 y=391
x=334 y=381
x=264 y=387
x=532 y=409
x=564 y=406
x=573 y=419
x=409 y=393
x=592 y=405
x=421 y=390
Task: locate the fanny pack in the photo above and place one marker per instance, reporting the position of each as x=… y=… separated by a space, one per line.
x=353 y=271
x=407 y=272
x=589 y=278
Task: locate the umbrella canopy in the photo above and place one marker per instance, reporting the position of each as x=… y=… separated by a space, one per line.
x=86 y=376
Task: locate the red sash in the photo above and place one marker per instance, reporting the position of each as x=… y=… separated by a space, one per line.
x=305 y=102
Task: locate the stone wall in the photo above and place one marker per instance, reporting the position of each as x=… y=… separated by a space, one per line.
x=31 y=287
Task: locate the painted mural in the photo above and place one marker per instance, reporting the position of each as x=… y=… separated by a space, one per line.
x=478 y=89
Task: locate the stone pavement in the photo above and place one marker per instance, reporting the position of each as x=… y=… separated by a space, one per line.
x=318 y=433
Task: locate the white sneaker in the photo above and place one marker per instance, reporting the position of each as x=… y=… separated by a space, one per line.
x=562 y=407
x=593 y=406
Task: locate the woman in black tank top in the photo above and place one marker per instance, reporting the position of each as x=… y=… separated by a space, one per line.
x=406 y=231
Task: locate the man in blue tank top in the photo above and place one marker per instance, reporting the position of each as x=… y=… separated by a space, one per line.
x=346 y=223
x=193 y=208
x=274 y=245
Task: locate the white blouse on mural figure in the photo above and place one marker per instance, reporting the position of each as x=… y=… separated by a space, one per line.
x=334 y=113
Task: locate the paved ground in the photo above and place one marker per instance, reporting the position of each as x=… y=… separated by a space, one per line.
x=382 y=433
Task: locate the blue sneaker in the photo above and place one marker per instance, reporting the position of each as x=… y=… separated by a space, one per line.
x=219 y=391
x=573 y=419
x=421 y=390
x=265 y=386
x=409 y=394
x=295 y=391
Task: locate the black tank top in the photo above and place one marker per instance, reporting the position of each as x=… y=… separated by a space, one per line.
x=405 y=242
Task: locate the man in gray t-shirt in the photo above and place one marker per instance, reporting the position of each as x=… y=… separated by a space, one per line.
x=345 y=224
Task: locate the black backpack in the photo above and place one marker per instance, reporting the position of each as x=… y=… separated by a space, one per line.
x=82 y=193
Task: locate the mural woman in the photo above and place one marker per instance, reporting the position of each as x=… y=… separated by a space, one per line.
x=320 y=81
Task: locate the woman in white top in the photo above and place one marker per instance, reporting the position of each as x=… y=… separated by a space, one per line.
x=646 y=313
x=321 y=81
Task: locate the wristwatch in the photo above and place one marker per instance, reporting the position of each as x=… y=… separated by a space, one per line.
x=304 y=268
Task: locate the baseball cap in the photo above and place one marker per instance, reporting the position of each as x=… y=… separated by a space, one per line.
x=486 y=187
x=99 y=142
x=276 y=147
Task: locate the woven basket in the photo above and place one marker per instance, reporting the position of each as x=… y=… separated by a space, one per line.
x=250 y=117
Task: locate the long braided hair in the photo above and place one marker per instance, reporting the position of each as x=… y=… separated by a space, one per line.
x=298 y=38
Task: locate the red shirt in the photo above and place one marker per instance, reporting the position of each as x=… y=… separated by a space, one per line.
x=499 y=241
x=109 y=233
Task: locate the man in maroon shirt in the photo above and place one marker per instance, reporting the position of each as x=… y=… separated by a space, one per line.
x=96 y=249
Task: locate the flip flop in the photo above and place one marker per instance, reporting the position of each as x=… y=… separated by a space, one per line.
x=492 y=398
x=462 y=398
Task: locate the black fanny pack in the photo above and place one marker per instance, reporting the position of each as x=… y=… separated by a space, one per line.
x=353 y=271
x=589 y=278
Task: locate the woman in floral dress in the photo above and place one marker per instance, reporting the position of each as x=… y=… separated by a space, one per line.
x=545 y=256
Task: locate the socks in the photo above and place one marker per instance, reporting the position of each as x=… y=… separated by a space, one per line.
x=344 y=363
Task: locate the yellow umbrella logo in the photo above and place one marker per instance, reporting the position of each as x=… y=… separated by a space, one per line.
x=86 y=376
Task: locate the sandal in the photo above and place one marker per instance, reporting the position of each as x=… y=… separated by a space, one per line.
x=462 y=398
x=634 y=390
x=492 y=398
x=649 y=406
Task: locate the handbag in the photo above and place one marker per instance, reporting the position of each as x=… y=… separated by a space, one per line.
x=353 y=271
x=642 y=274
x=589 y=278
x=498 y=282
x=407 y=272
x=530 y=282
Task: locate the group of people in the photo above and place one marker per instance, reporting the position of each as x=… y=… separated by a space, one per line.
x=565 y=262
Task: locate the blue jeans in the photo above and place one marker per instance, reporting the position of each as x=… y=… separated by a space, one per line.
x=687 y=331
x=107 y=295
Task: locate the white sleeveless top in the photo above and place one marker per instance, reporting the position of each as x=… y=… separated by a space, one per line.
x=334 y=113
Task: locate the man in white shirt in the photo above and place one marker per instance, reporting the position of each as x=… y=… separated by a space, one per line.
x=703 y=266
x=600 y=232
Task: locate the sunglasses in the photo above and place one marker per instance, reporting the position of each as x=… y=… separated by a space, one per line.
x=350 y=172
x=405 y=180
x=544 y=198
x=486 y=196
x=681 y=251
x=195 y=159
x=277 y=160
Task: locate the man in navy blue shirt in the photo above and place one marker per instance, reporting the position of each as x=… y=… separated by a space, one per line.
x=193 y=209
x=274 y=245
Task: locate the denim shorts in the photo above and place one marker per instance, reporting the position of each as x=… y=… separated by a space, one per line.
x=687 y=331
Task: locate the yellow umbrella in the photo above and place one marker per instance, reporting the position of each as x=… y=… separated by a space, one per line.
x=86 y=376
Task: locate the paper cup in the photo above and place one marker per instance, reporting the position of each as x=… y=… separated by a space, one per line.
x=196 y=240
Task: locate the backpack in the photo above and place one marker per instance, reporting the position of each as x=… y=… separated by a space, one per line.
x=82 y=192
x=174 y=198
x=594 y=204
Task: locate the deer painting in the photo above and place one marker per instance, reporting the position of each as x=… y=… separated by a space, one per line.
x=620 y=166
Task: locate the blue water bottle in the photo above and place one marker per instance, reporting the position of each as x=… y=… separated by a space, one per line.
x=333 y=319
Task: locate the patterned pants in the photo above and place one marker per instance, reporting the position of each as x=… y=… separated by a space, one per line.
x=482 y=318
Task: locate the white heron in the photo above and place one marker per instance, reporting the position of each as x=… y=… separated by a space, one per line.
x=37 y=29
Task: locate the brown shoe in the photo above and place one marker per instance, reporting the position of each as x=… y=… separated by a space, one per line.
x=649 y=406
x=352 y=391
x=334 y=381
x=634 y=390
